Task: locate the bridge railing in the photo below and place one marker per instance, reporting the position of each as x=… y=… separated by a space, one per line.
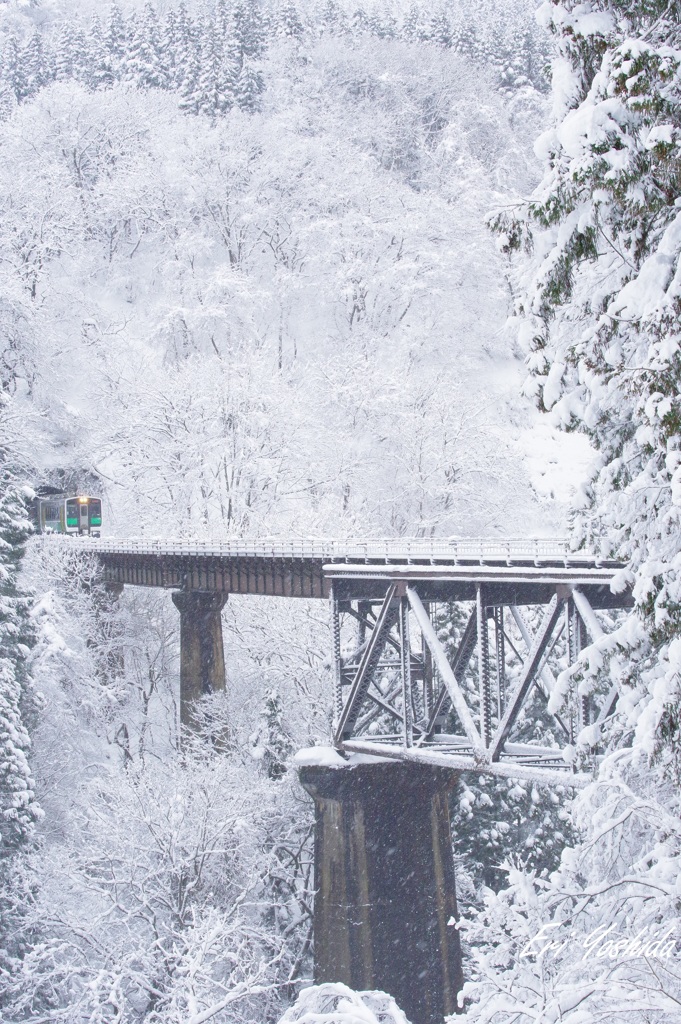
x=452 y=550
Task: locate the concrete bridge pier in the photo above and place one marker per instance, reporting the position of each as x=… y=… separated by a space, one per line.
x=202 y=658
x=384 y=880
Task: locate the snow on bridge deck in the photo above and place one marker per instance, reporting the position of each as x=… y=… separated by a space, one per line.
x=527 y=571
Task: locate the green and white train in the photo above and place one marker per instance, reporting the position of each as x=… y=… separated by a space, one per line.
x=80 y=515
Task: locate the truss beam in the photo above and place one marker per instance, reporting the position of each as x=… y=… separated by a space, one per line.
x=541 y=639
x=391 y=690
x=449 y=675
x=385 y=620
x=460 y=664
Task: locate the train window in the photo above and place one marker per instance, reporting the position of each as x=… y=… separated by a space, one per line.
x=95 y=512
x=71 y=512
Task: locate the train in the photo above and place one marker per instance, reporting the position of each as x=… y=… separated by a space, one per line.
x=70 y=514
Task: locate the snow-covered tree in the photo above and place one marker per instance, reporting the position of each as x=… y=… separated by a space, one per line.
x=188 y=891
x=249 y=86
x=18 y=805
x=71 y=56
x=116 y=40
x=214 y=89
x=289 y=23
x=146 y=61
x=271 y=744
x=600 y=307
x=13 y=69
x=249 y=28
x=35 y=69
x=20 y=704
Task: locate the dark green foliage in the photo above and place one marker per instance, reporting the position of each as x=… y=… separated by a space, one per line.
x=602 y=305
x=272 y=741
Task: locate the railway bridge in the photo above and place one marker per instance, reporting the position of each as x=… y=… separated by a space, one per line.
x=411 y=712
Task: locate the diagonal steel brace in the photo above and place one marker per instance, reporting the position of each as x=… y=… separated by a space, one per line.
x=450 y=676
x=534 y=658
x=387 y=617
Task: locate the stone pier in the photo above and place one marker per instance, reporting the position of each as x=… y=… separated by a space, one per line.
x=384 y=879
x=202 y=658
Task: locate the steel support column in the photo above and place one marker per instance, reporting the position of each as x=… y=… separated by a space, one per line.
x=484 y=669
x=337 y=664
x=405 y=671
x=384 y=884
x=500 y=637
x=202 y=658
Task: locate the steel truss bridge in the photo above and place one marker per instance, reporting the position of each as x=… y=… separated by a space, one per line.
x=525 y=607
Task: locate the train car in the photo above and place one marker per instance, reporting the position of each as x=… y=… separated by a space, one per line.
x=79 y=515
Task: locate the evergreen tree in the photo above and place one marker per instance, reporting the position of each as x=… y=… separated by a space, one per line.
x=180 y=42
x=272 y=742
x=171 y=48
x=249 y=28
x=497 y=819
x=385 y=27
x=214 y=90
x=116 y=42
x=146 y=63
x=101 y=72
x=233 y=60
x=359 y=22
x=34 y=64
x=440 y=30
x=72 y=55
x=289 y=23
x=18 y=806
x=13 y=72
x=464 y=39
x=81 y=57
x=222 y=19
x=8 y=100
x=333 y=18
x=411 y=27
x=190 y=86
x=249 y=86
x=601 y=307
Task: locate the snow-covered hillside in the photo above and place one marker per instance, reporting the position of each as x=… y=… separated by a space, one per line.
x=283 y=313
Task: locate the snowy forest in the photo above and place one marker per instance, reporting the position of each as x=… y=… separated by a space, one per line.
x=324 y=268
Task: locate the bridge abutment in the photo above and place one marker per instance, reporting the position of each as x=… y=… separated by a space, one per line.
x=202 y=658
x=385 y=888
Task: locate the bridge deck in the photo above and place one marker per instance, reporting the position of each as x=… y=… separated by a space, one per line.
x=521 y=571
